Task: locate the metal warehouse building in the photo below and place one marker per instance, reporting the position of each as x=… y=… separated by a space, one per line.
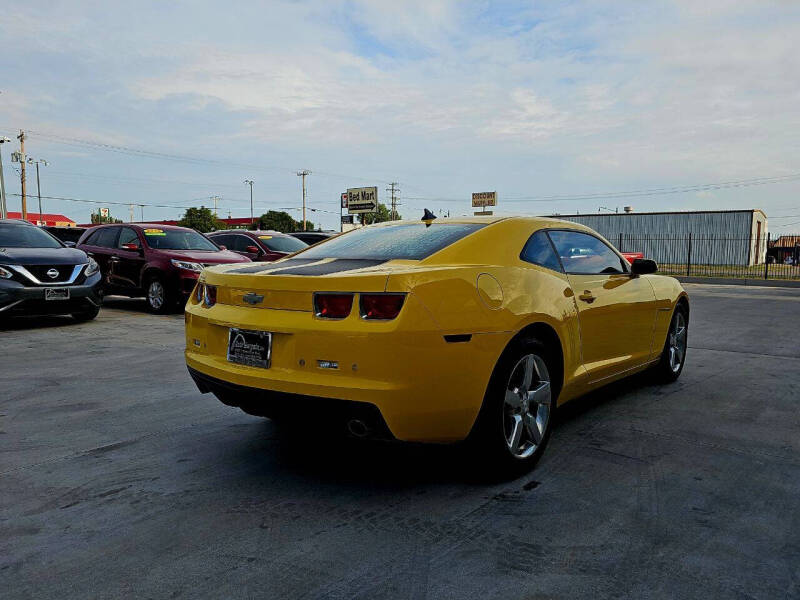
x=711 y=237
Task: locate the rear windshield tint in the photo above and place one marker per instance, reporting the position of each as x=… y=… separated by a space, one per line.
x=409 y=241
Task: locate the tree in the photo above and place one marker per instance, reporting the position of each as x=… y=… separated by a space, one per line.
x=201 y=219
x=98 y=219
x=381 y=216
x=277 y=220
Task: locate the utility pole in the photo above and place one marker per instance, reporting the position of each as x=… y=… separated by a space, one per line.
x=392 y=190
x=130 y=213
x=215 y=199
x=3 y=205
x=38 y=184
x=21 y=138
x=250 y=183
x=303 y=174
x=141 y=206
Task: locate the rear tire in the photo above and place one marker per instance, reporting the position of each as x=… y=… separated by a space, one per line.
x=516 y=419
x=86 y=315
x=160 y=299
x=673 y=356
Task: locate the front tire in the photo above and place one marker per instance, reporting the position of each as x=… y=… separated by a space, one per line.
x=160 y=299
x=86 y=315
x=673 y=356
x=516 y=419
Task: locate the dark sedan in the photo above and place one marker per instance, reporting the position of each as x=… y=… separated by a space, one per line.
x=39 y=274
x=263 y=246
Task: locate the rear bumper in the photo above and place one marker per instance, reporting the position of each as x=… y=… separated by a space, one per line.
x=426 y=388
x=17 y=299
x=335 y=414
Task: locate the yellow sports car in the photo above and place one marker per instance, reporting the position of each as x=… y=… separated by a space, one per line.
x=436 y=330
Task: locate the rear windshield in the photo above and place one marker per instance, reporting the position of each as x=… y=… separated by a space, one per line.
x=25 y=236
x=411 y=242
x=282 y=243
x=177 y=239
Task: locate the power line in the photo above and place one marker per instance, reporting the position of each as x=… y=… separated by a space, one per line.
x=120 y=149
x=633 y=193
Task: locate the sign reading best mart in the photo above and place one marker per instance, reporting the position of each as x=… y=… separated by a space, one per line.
x=362 y=200
x=484 y=199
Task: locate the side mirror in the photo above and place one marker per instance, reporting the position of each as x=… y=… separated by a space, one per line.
x=70 y=244
x=252 y=249
x=643 y=266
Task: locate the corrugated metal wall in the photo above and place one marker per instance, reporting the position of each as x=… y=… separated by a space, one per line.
x=717 y=237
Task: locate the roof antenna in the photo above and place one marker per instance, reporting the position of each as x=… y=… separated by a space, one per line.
x=428 y=216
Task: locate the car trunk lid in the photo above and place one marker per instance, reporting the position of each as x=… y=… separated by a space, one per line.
x=290 y=284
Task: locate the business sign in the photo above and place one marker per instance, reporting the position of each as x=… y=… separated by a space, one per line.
x=347 y=219
x=481 y=199
x=483 y=213
x=344 y=199
x=362 y=200
x=104 y=212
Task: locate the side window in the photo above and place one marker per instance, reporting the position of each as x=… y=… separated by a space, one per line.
x=92 y=239
x=222 y=240
x=128 y=236
x=241 y=242
x=539 y=251
x=106 y=237
x=582 y=253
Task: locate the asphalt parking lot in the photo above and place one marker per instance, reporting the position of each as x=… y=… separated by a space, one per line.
x=118 y=479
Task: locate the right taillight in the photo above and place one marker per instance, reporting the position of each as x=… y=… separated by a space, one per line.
x=332 y=306
x=383 y=307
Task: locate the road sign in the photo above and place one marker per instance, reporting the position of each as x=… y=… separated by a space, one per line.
x=347 y=219
x=104 y=212
x=344 y=199
x=481 y=199
x=362 y=200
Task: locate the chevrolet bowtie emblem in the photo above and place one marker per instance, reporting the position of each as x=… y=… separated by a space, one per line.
x=253 y=298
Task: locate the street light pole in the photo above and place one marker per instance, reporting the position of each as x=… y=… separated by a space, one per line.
x=250 y=183
x=3 y=206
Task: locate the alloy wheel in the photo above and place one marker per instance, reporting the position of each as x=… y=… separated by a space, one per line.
x=527 y=404
x=677 y=341
x=155 y=294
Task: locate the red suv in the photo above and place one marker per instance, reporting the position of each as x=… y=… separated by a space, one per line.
x=262 y=246
x=159 y=262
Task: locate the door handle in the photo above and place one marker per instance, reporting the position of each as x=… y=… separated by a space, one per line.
x=587 y=296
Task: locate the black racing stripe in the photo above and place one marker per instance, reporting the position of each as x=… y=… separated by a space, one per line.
x=268 y=266
x=336 y=266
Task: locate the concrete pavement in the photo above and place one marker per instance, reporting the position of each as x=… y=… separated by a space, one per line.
x=118 y=479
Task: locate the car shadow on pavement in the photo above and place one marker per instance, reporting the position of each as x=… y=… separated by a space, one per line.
x=19 y=323
x=321 y=456
x=125 y=303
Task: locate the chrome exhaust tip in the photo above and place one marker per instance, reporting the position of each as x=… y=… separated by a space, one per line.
x=358 y=428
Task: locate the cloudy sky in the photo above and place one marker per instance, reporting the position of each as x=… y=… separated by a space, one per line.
x=169 y=103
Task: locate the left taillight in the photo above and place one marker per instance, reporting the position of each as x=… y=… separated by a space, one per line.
x=381 y=307
x=205 y=294
x=332 y=306
x=209 y=295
